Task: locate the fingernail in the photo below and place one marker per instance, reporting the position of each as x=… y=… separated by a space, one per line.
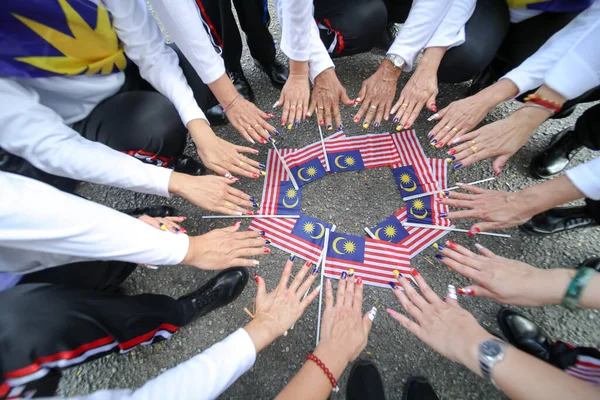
x=373 y=313
x=434 y=108
x=355 y=119
x=450 y=159
x=357 y=100
x=261 y=166
x=359 y=281
x=475 y=230
x=238 y=223
x=350 y=273
x=254 y=151
x=466 y=291
x=376 y=124
x=277 y=133
x=438 y=247
x=315 y=271
x=262 y=233
x=269 y=115
x=439 y=256
x=267 y=241
x=254 y=175
x=228 y=175
x=392 y=284
x=433 y=142
x=254 y=205
x=307 y=115
x=386 y=118
x=177 y=230
x=249 y=212
x=430 y=136
x=395 y=120
x=440 y=144
x=251 y=199
x=297 y=123
x=283 y=121
x=275 y=104
x=407 y=126
x=396 y=273
x=456 y=139
x=399 y=128
x=263 y=173
x=271 y=139
x=329 y=127
x=479 y=246
x=266 y=250
x=365 y=125
x=321 y=122
x=162 y=227
x=451 y=152
x=256 y=277
x=292 y=257
x=344 y=275
x=434 y=116
x=497 y=173
x=414 y=272
x=451 y=244
x=452 y=292
x=446 y=193
x=255 y=262
x=262 y=140
x=443 y=215
x=457 y=165
x=340 y=127
x=308 y=264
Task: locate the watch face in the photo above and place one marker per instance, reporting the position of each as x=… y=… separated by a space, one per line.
x=490 y=348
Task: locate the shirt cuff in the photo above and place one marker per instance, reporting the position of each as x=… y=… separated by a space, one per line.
x=294 y=54
x=315 y=67
x=191 y=111
x=244 y=346
x=161 y=177
x=522 y=81
x=571 y=77
x=585 y=178
x=179 y=245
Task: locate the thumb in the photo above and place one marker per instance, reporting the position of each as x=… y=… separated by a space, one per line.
x=233 y=228
x=361 y=94
x=482 y=227
x=431 y=103
x=280 y=101
x=475 y=290
x=345 y=99
x=485 y=251
x=499 y=163
x=261 y=290
x=368 y=319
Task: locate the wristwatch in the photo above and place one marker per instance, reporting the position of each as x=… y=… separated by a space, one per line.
x=396 y=60
x=490 y=352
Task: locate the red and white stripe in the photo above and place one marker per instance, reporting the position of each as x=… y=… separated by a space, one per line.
x=307 y=153
x=411 y=153
x=419 y=238
x=586 y=368
x=439 y=169
x=376 y=149
x=276 y=173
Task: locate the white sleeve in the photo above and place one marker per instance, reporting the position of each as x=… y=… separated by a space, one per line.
x=569 y=62
x=586 y=177
x=145 y=45
x=202 y=377
x=38 y=134
x=37 y=217
x=183 y=22
x=451 y=32
x=424 y=18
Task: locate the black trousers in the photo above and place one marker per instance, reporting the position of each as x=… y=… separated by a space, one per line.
x=221 y=26
x=137 y=120
x=65 y=316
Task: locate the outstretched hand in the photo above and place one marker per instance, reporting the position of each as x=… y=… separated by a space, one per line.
x=326 y=95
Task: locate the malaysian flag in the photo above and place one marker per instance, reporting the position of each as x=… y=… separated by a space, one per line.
x=301 y=156
x=373 y=150
x=276 y=174
x=411 y=154
x=372 y=260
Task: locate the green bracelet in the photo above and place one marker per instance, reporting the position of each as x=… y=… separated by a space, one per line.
x=579 y=282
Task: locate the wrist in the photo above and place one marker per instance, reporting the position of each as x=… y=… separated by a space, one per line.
x=530 y=117
x=389 y=70
x=500 y=91
x=431 y=59
x=223 y=90
x=176 y=183
x=262 y=331
x=325 y=73
x=299 y=68
x=333 y=356
x=470 y=357
x=557 y=282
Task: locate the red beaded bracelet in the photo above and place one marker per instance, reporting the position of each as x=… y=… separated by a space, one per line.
x=316 y=360
x=545 y=103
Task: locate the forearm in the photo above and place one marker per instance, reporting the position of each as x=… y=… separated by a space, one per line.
x=549 y=194
x=431 y=59
x=559 y=280
x=299 y=68
x=223 y=90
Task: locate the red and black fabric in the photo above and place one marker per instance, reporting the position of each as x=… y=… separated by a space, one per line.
x=137 y=120
x=580 y=362
x=47 y=327
x=219 y=22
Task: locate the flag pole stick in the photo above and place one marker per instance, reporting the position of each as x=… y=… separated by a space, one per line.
x=323 y=144
x=458 y=186
x=370 y=233
x=285 y=166
x=323 y=263
x=249 y=216
x=450 y=228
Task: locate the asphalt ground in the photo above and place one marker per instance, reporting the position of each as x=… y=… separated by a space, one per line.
x=352 y=200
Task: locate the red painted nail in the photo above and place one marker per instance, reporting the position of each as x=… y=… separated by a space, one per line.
x=408 y=125
x=497 y=173
x=269 y=115
x=355 y=119
x=266 y=250
x=282 y=122
x=433 y=108
x=249 y=212
x=256 y=277
x=254 y=175
x=414 y=272
x=359 y=281
x=183 y=230
x=262 y=140
x=308 y=264
x=321 y=122
x=451 y=152
x=237 y=223
x=440 y=144
x=473 y=231
x=467 y=291
x=451 y=244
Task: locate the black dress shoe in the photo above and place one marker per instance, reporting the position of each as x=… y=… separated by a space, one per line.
x=277 y=72
x=187 y=165
x=556 y=156
x=152 y=211
x=221 y=290
x=241 y=85
x=592 y=262
x=557 y=220
x=364 y=382
x=524 y=334
x=418 y=388
x=216 y=115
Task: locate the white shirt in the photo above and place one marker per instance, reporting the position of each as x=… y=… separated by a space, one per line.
x=34 y=113
x=42 y=227
x=586 y=178
x=569 y=62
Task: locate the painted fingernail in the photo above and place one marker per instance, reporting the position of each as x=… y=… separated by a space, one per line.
x=451 y=152
x=183 y=230
x=255 y=151
x=376 y=124
x=249 y=212
x=433 y=142
x=177 y=230
x=254 y=175
x=266 y=250
x=357 y=100
x=430 y=136
x=228 y=175
x=262 y=233
x=434 y=108
x=307 y=115
x=396 y=273
x=289 y=126
x=446 y=193
x=497 y=173
x=238 y=223
x=269 y=115
x=395 y=120
x=315 y=271
x=292 y=257
x=451 y=244
x=365 y=125
x=452 y=292
x=162 y=226
x=252 y=199
x=439 y=256
x=283 y=121
x=466 y=291
x=329 y=127
x=414 y=272
x=399 y=128
x=473 y=231
x=434 y=116
x=255 y=262
x=407 y=125
x=373 y=313
x=308 y=264
x=263 y=173
x=254 y=205
x=344 y=275
x=440 y=144
x=450 y=159
x=392 y=284
x=456 y=139
x=297 y=123
x=340 y=127
x=277 y=133
x=256 y=277
x=275 y=104
x=267 y=241
x=443 y=215
x=350 y=273
x=355 y=119
x=262 y=140
x=261 y=166
x=438 y=247
x=359 y=281
x=457 y=165
x=321 y=122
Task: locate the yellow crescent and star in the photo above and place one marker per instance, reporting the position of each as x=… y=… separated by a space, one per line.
x=310 y=228
x=349 y=247
x=405 y=179
x=86 y=50
x=349 y=161
x=389 y=231
x=310 y=171
x=419 y=206
x=290 y=194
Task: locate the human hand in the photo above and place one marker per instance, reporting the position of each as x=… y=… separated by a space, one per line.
x=442 y=325
x=212 y=193
x=221 y=156
x=295 y=95
x=225 y=248
x=164 y=224
x=326 y=94
x=499 y=209
x=377 y=93
x=250 y=121
x=345 y=329
x=500 y=139
x=504 y=280
x=421 y=90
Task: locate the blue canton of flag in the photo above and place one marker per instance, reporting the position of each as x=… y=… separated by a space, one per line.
x=289 y=199
x=309 y=171
x=418 y=211
x=311 y=229
x=346 y=247
x=407 y=181
x=390 y=230
x=350 y=160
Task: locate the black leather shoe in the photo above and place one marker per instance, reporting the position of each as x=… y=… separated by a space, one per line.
x=418 y=388
x=276 y=71
x=241 y=85
x=556 y=156
x=524 y=334
x=216 y=115
x=221 y=290
x=187 y=165
x=364 y=382
x=592 y=262
x=557 y=220
x=152 y=211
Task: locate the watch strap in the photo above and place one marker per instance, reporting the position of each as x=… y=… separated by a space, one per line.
x=575 y=289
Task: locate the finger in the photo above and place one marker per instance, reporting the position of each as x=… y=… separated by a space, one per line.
x=499 y=162
x=176 y=219
x=248 y=161
x=300 y=276
x=358 y=295
x=347 y=101
x=386 y=110
x=242 y=204
x=328 y=295
x=300 y=110
x=462 y=196
x=463 y=269
x=311 y=297
x=228 y=204
x=368 y=320
x=424 y=287
x=458 y=204
x=252 y=173
x=308 y=282
x=413 y=295
x=328 y=116
x=472 y=188
x=285 y=274
x=339 y=299
x=261 y=290
x=170 y=225
x=370 y=114
x=266 y=126
x=337 y=116
x=485 y=251
x=349 y=295
x=476 y=290
x=405 y=322
x=435 y=132
x=400 y=108
x=252 y=132
x=414 y=114
x=407 y=113
x=408 y=306
x=243 y=132
x=285 y=114
x=234 y=228
x=487 y=226
x=379 y=115
x=228 y=210
x=240 y=195
x=320 y=113
x=246 y=235
x=253 y=249
x=243 y=262
x=361 y=94
x=472 y=158
x=431 y=102
x=361 y=111
x=245 y=167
